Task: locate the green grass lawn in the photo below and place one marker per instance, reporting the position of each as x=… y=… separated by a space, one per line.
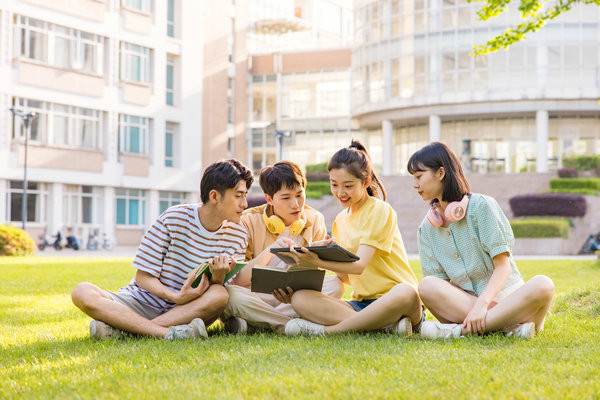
x=46 y=351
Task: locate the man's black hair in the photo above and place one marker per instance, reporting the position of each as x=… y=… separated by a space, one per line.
x=223 y=175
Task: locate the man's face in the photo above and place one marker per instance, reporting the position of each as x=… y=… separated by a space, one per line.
x=288 y=203
x=231 y=205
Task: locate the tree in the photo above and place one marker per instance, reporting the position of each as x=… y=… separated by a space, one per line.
x=533 y=14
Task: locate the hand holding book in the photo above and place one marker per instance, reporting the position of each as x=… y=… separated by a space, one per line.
x=222 y=270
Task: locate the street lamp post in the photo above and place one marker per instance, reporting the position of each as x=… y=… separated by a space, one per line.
x=26 y=117
x=279 y=135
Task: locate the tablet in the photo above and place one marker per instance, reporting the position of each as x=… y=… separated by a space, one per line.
x=332 y=252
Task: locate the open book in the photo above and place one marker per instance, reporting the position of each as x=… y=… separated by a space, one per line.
x=266 y=279
x=332 y=252
x=204 y=268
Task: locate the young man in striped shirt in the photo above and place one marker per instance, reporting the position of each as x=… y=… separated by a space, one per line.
x=159 y=301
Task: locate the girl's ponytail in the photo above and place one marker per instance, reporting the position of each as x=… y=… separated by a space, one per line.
x=356 y=160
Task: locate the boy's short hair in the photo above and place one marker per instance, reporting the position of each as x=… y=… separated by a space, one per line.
x=223 y=175
x=282 y=174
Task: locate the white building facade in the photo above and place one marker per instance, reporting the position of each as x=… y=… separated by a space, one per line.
x=523 y=109
x=116 y=138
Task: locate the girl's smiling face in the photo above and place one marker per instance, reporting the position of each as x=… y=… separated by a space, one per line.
x=350 y=191
x=429 y=184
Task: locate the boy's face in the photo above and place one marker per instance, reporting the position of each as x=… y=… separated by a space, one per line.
x=288 y=203
x=231 y=205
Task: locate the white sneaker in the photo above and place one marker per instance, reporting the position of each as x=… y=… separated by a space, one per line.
x=194 y=330
x=437 y=330
x=299 y=326
x=403 y=327
x=236 y=326
x=525 y=331
x=101 y=330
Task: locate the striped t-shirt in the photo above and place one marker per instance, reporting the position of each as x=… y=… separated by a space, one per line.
x=176 y=244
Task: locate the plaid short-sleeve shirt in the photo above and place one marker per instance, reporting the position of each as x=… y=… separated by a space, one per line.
x=463 y=252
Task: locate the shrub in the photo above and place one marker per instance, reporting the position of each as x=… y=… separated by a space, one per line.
x=548 y=204
x=575 y=183
x=582 y=163
x=317 y=177
x=317 y=168
x=585 y=192
x=541 y=228
x=255 y=201
x=15 y=242
x=567 y=173
x=314 y=190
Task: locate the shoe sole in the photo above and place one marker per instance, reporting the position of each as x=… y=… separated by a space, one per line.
x=198 y=329
x=407 y=327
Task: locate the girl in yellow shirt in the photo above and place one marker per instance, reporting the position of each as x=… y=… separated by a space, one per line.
x=385 y=295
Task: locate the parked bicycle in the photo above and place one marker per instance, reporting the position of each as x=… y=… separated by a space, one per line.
x=107 y=243
x=57 y=244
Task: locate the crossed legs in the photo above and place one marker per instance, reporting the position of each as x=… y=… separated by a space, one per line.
x=529 y=303
x=338 y=316
x=99 y=305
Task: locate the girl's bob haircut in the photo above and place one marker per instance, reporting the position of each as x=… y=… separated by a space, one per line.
x=435 y=156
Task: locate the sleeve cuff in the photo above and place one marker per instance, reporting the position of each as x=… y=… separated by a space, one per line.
x=499 y=250
x=377 y=245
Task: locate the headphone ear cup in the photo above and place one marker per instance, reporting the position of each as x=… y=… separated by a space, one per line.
x=457 y=209
x=297 y=227
x=434 y=218
x=274 y=224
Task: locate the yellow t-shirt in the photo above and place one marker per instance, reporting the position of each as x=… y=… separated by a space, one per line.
x=374 y=224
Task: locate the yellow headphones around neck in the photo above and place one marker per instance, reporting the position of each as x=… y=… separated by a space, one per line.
x=276 y=225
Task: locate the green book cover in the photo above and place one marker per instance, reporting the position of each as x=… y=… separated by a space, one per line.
x=204 y=268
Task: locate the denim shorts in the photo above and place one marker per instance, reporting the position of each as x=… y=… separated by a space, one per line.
x=360 y=305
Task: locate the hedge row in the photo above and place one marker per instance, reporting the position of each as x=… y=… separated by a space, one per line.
x=15 y=242
x=314 y=190
x=320 y=168
x=255 y=201
x=575 y=183
x=541 y=228
x=582 y=163
x=587 y=192
x=548 y=204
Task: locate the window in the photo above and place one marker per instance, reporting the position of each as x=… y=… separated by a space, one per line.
x=171 y=18
x=170 y=199
x=133 y=134
x=60 y=46
x=170 y=92
x=37 y=198
x=80 y=205
x=142 y=5
x=58 y=124
x=170 y=130
x=135 y=63
x=131 y=206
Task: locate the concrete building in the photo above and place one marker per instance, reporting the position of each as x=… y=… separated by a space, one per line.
x=511 y=111
x=117 y=88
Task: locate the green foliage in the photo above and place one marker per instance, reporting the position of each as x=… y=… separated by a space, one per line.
x=541 y=227
x=317 y=168
x=585 y=192
x=582 y=163
x=15 y=242
x=315 y=190
x=46 y=351
x=533 y=15
x=575 y=183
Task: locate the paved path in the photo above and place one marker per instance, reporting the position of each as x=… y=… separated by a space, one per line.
x=129 y=251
